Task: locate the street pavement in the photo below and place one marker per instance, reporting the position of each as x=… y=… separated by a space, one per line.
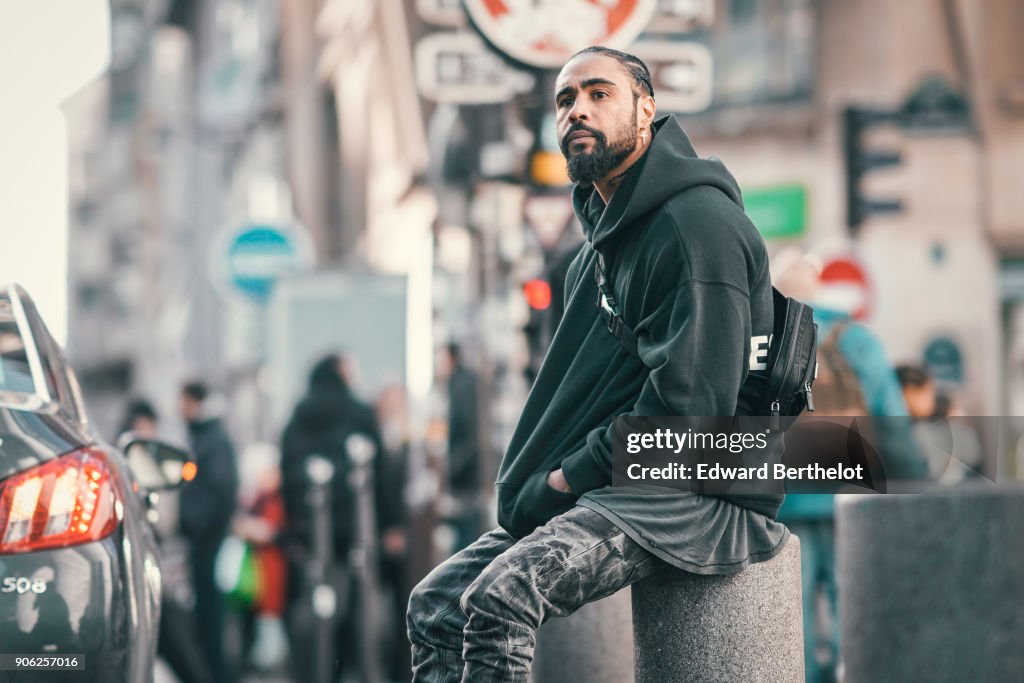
x=163 y=674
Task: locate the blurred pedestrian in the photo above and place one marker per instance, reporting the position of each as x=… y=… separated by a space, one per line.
x=394 y=556
x=140 y=418
x=919 y=390
x=322 y=424
x=260 y=523
x=177 y=645
x=207 y=506
x=950 y=444
x=921 y=396
x=854 y=380
x=463 y=446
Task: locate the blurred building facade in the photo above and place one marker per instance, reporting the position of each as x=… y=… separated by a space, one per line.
x=213 y=115
x=130 y=211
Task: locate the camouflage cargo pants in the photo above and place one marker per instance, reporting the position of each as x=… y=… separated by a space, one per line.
x=475 y=617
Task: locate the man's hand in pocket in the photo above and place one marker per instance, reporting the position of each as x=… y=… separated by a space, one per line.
x=556 y=480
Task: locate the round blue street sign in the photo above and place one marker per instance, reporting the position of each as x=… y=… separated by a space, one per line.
x=258 y=254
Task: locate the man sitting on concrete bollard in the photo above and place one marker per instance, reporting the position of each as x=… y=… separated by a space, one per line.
x=669 y=248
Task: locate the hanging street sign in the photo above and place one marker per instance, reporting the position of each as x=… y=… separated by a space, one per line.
x=682 y=16
x=441 y=12
x=548 y=215
x=458 y=68
x=545 y=33
x=682 y=74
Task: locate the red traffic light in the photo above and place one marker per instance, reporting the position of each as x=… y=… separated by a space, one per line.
x=538 y=294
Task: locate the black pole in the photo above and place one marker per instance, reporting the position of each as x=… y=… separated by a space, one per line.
x=322 y=594
x=363 y=556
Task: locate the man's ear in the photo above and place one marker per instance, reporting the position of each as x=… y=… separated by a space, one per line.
x=646 y=111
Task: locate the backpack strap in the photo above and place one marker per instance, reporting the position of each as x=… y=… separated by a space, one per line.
x=832 y=340
x=613 y=318
x=844 y=379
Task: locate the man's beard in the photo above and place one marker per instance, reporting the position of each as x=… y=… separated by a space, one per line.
x=584 y=167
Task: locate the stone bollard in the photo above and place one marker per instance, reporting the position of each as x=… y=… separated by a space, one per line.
x=594 y=644
x=931 y=586
x=721 y=629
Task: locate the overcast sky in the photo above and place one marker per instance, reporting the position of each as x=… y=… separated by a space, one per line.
x=48 y=50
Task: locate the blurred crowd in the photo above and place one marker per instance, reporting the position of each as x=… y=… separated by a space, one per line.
x=254 y=540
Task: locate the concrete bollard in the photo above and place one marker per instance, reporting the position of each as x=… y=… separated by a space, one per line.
x=931 y=586
x=721 y=629
x=594 y=644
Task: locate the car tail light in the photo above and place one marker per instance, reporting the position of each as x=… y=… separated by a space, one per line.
x=67 y=501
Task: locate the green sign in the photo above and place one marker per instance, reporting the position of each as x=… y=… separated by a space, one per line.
x=779 y=212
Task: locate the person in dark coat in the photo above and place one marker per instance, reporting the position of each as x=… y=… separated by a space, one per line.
x=321 y=424
x=463 y=446
x=207 y=505
x=178 y=645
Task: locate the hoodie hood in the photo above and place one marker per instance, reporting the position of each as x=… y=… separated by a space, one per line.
x=669 y=167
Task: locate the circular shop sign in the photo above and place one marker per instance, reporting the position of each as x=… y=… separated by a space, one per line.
x=546 y=33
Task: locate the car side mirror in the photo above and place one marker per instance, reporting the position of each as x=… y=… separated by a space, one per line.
x=157 y=465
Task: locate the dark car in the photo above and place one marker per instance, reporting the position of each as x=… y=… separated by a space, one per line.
x=79 y=565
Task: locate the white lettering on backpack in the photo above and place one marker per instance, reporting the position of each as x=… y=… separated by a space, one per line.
x=759 y=346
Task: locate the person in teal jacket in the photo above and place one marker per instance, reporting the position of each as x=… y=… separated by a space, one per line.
x=810 y=515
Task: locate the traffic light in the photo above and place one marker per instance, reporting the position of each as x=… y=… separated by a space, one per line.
x=544 y=295
x=860 y=161
x=538 y=294
x=537 y=328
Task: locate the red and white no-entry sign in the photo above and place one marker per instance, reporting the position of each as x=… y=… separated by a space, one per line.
x=546 y=33
x=844 y=285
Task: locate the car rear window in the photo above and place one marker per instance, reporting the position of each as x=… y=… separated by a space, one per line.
x=15 y=369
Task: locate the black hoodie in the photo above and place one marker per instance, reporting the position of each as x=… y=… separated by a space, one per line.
x=690 y=273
